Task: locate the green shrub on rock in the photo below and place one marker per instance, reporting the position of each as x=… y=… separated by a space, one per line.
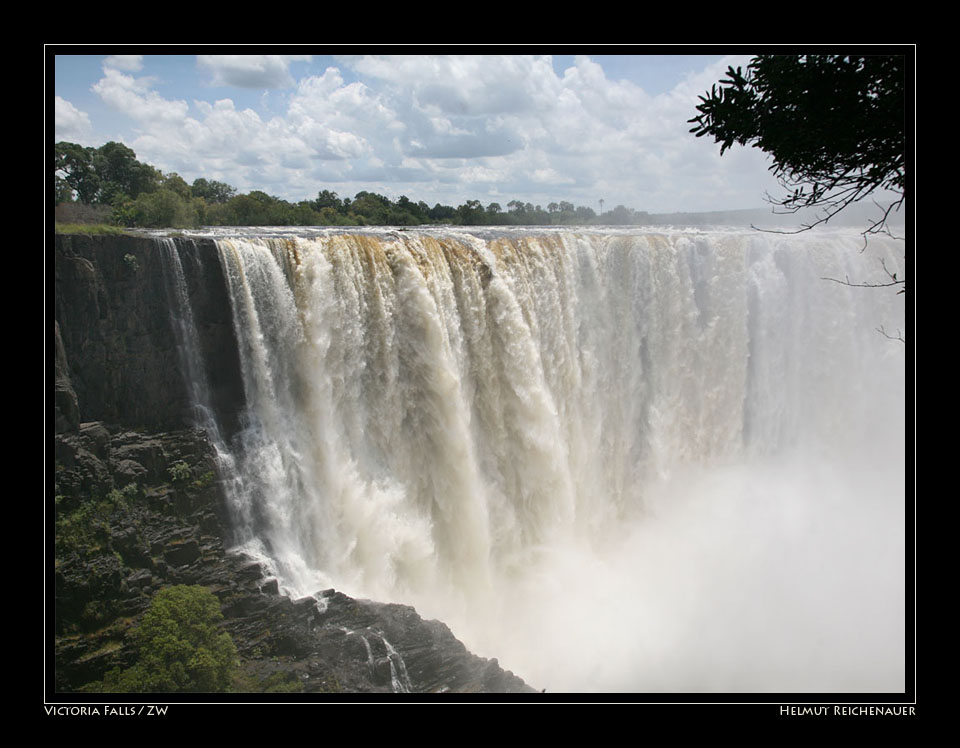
x=179 y=472
x=180 y=648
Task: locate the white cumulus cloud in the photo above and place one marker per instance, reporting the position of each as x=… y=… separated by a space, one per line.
x=70 y=123
x=438 y=128
x=125 y=63
x=134 y=97
x=250 y=71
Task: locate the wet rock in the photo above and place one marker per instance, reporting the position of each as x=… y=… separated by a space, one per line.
x=182 y=554
x=66 y=405
x=129 y=471
x=116 y=354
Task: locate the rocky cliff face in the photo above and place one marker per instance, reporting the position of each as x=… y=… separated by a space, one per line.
x=114 y=339
x=137 y=503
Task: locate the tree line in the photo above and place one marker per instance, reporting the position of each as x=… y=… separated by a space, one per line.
x=109 y=184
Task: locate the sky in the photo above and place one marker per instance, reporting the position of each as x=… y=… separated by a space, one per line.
x=537 y=128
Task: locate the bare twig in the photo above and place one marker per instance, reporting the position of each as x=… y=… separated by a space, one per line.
x=847 y=282
x=898 y=336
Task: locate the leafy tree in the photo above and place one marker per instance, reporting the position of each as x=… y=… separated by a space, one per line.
x=442 y=213
x=109 y=174
x=161 y=209
x=584 y=214
x=180 y=648
x=327 y=199
x=834 y=125
x=620 y=216
x=470 y=213
x=121 y=174
x=329 y=217
x=414 y=212
x=374 y=209
x=303 y=214
x=73 y=168
x=257 y=208
x=175 y=183
x=212 y=191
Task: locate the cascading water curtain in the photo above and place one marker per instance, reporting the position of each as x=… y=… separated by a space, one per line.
x=599 y=457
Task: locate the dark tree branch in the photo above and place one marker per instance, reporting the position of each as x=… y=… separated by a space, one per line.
x=834 y=125
x=848 y=282
x=898 y=336
x=893 y=282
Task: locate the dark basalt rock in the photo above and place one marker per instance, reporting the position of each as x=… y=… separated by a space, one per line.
x=166 y=533
x=116 y=352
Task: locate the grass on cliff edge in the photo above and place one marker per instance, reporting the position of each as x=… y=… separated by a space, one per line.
x=89 y=229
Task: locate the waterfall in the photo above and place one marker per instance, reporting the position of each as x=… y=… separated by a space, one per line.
x=678 y=443
x=191 y=358
x=185 y=332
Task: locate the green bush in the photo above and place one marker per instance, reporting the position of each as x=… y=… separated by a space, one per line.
x=180 y=648
x=282 y=683
x=89 y=523
x=204 y=480
x=163 y=208
x=179 y=472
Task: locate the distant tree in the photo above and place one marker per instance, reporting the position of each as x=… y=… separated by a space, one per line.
x=518 y=210
x=303 y=214
x=162 y=208
x=175 y=183
x=374 y=209
x=121 y=175
x=620 y=216
x=471 y=213
x=327 y=199
x=409 y=213
x=833 y=124
x=212 y=191
x=74 y=171
x=329 y=217
x=179 y=647
x=584 y=214
x=62 y=192
x=442 y=213
x=109 y=174
x=257 y=208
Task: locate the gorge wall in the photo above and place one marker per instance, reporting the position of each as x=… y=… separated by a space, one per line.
x=116 y=348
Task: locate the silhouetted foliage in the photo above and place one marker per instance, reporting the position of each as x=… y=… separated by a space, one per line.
x=833 y=124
